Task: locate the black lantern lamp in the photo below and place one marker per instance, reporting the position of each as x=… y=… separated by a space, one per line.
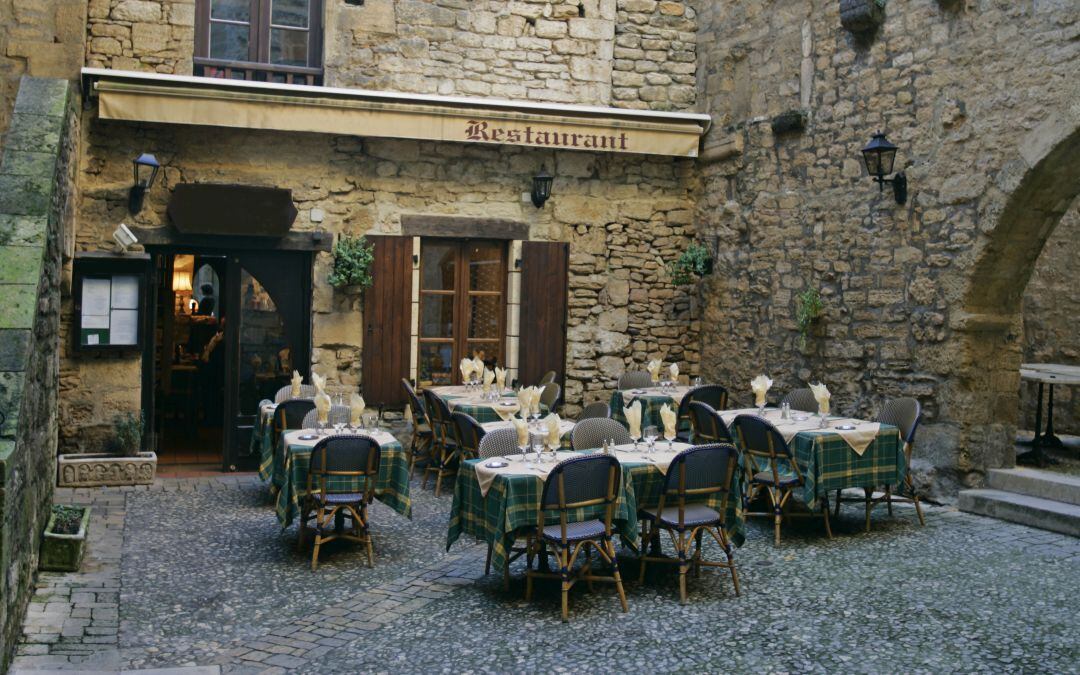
x=146 y=170
x=879 y=156
x=541 y=187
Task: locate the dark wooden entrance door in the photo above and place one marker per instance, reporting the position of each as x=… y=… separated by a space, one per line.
x=267 y=336
x=387 y=310
x=542 y=345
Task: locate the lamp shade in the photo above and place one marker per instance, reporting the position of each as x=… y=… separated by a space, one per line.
x=541 y=188
x=879 y=155
x=181 y=281
x=146 y=169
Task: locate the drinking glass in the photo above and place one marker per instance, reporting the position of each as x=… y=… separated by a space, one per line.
x=824 y=420
x=637 y=438
x=371 y=421
x=524 y=453
x=553 y=446
x=538 y=447
x=669 y=434
x=698 y=382
x=651 y=434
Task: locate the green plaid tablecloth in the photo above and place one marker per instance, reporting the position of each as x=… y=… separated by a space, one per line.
x=262 y=442
x=391 y=488
x=512 y=501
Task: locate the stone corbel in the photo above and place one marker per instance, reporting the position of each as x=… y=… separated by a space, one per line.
x=721 y=148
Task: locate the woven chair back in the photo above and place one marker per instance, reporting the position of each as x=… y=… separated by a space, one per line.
x=468 y=433
x=598 y=410
x=285 y=393
x=499 y=443
x=419 y=412
x=339 y=414
x=290 y=414
x=801 y=399
x=707 y=424
x=591 y=433
x=903 y=413
x=635 y=379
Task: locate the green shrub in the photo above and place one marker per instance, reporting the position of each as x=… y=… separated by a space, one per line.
x=808 y=309
x=352 y=262
x=694 y=263
x=127 y=434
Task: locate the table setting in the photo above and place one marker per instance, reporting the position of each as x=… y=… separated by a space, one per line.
x=666 y=389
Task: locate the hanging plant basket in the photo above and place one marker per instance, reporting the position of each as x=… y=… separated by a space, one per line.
x=862 y=16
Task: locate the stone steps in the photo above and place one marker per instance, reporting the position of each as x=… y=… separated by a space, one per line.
x=1025 y=509
x=1056 y=487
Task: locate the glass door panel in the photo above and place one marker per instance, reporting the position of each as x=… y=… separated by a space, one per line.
x=265 y=353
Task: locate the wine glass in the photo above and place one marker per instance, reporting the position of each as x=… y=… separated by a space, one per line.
x=636 y=438
x=524 y=451
x=698 y=382
x=651 y=434
x=553 y=445
x=339 y=424
x=669 y=434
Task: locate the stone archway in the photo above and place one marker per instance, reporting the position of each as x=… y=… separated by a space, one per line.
x=1044 y=179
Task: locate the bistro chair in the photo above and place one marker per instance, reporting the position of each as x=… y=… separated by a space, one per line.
x=285 y=393
x=760 y=442
x=588 y=482
x=801 y=399
x=549 y=397
x=444 y=451
x=694 y=476
x=548 y=378
x=341 y=480
x=635 y=379
x=339 y=414
x=904 y=414
x=499 y=443
x=598 y=410
x=420 y=446
x=713 y=394
x=591 y=433
x=290 y=415
x=707 y=425
x=468 y=433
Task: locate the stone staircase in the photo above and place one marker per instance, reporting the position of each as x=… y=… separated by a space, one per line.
x=1043 y=499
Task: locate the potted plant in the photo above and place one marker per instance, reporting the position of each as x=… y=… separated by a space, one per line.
x=64 y=543
x=353 y=257
x=693 y=263
x=122 y=464
x=862 y=16
x=807 y=311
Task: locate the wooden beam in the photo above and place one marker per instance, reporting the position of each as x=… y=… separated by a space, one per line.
x=462 y=227
x=293 y=241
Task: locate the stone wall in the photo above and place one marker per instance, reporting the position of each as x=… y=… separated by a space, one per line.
x=1051 y=333
x=975 y=94
x=149 y=35
x=35 y=188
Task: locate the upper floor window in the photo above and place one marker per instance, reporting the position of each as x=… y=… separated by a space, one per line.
x=266 y=40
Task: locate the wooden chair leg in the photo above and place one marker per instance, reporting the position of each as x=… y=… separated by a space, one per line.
x=564 y=574
x=645 y=535
x=918 y=509
x=615 y=573
x=828 y=527
x=684 y=566
x=731 y=561
x=438 y=482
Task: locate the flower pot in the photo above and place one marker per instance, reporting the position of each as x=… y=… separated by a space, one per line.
x=862 y=16
x=352 y=289
x=90 y=470
x=63 y=552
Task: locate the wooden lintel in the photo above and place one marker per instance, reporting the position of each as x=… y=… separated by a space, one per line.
x=462 y=227
x=292 y=241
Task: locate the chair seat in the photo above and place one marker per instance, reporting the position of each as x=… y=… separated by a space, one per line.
x=422 y=429
x=786 y=478
x=342 y=498
x=694 y=514
x=587 y=529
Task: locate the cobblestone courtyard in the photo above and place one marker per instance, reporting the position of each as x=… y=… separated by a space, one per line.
x=198 y=572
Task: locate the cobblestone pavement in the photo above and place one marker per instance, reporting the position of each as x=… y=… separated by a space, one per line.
x=198 y=572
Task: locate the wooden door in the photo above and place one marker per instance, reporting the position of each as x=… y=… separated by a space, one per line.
x=544 y=287
x=387 y=310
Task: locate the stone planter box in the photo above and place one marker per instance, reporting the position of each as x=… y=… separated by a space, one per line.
x=64 y=552
x=91 y=470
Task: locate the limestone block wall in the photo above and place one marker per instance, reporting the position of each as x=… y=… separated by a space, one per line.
x=972 y=93
x=1051 y=333
x=35 y=188
x=149 y=35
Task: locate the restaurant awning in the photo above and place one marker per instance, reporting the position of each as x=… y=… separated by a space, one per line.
x=175 y=99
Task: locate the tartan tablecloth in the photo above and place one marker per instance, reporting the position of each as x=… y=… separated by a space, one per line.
x=512 y=502
x=391 y=488
x=262 y=441
x=828 y=463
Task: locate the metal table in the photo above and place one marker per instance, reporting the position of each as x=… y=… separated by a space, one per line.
x=1046 y=374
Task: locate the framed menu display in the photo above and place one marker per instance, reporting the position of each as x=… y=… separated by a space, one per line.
x=109 y=293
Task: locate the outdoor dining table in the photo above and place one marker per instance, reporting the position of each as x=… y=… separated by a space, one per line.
x=827 y=460
x=652 y=400
x=469 y=400
x=566 y=428
x=510 y=503
x=1046 y=374
x=290 y=472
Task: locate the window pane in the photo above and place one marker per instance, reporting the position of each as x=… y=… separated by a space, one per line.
x=484 y=313
x=288 y=47
x=437 y=316
x=228 y=42
x=290 y=13
x=485 y=267
x=265 y=354
x=435 y=364
x=437 y=260
x=231 y=10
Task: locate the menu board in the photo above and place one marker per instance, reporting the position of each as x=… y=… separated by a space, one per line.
x=109 y=313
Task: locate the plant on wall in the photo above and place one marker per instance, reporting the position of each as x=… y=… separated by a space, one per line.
x=807 y=311
x=127 y=434
x=353 y=257
x=694 y=263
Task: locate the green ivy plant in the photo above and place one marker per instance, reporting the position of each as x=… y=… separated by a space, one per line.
x=127 y=434
x=353 y=257
x=808 y=309
x=694 y=263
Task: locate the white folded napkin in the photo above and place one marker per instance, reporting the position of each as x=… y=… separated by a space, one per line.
x=554 y=437
x=356 y=409
x=674 y=371
x=466 y=367
x=670 y=422
x=478 y=367
x=760 y=385
x=500 y=379
x=822 y=396
x=633 y=419
x=524 y=397
x=534 y=402
x=489 y=377
x=322 y=407
x=654 y=369
x=319 y=382
x=296 y=380
x=522 y=428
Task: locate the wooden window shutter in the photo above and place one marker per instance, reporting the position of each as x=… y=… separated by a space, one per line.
x=544 y=289
x=387 y=314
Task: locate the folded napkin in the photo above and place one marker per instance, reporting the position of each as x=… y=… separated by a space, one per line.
x=322 y=407
x=670 y=423
x=489 y=377
x=822 y=396
x=674 y=371
x=319 y=382
x=522 y=428
x=356 y=409
x=760 y=385
x=654 y=370
x=554 y=431
x=524 y=397
x=633 y=419
x=296 y=380
x=466 y=367
x=534 y=402
x=500 y=379
x=478 y=367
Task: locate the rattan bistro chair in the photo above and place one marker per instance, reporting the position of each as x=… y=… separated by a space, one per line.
x=761 y=442
x=713 y=394
x=591 y=433
x=285 y=393
x=695 y=475
x=339 y=414
x=468 y=433
x=635 y=379
x=549 y=397
x=548 y=378
x=707 y=425
x=420 y=445
x=290 y=415
x=341 y=478
x=801 y=399
x=591 y=481
x=598 y=410
x=444 y=451
x=499 y=443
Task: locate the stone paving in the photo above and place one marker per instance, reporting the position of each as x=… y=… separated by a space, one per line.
x=198 y=572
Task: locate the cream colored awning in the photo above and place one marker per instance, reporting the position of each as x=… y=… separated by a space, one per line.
x=173 y=99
